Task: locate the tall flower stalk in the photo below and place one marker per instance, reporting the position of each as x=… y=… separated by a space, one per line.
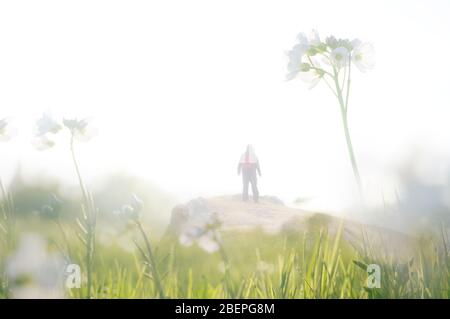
x=330 y=61
x=79 y=130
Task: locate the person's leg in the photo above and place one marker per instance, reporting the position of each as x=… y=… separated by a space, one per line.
x=255 y=190
x=245 y=181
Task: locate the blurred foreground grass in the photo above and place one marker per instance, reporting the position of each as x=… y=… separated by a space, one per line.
x=307 y=264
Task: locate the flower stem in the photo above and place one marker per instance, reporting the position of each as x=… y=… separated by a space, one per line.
x=90 y=220
x=80 y=180
x=152 y=261
x=343 y=108
x=64 y=236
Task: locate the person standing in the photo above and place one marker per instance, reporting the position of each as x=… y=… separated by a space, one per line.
x=249 y=166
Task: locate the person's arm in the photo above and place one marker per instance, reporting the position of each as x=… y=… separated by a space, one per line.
x=258 y=168
x=239 y=168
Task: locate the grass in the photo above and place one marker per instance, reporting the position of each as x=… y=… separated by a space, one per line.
x=307 y=264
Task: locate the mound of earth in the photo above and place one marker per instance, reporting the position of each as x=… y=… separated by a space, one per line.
x=271 y=215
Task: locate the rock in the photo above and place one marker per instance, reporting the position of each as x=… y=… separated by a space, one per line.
x=269 y=213
x=272 y=216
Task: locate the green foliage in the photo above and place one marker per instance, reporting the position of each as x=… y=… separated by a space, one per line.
x=309 y=264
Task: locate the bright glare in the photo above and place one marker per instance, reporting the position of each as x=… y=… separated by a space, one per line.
x=179 y=88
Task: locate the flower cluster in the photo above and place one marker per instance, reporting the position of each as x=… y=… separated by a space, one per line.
x=52 y=209
x=131 y=211
x=6 y=130
x=47 y=126
x=310 y=56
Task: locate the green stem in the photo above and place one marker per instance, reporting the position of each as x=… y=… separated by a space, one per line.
x=90 y=223
x=323 y=77
x=80 y=180
x=152 y=261
x=347 y=132
x=348 y=85
x=64 y=236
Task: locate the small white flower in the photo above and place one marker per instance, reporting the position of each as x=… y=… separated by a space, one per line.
x=295 y=55
x=356 y=43
x=314 y=38
x=303 y=40
x=131 y=211
x=340 y=57
x=205 y=239
x=81 y=129
x=331 y=42
x=46 y=124
x=202 y=232
x=311 y=40
x=199 y=225
x=42 y=143
x=6 y=131
x=295 y=60
x=208 y=242
x=128 y=213
x=137 y=203
x=312 y=76
x=363 y=56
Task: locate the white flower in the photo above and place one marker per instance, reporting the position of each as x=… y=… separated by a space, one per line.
x=127 y=213
x=33 y=272
x=52 y=209
x=6 y=131
x=295 y=60
x=355 y=43
x=203 y=232
x=312 y=76
x=314 y=38
x=204 y=238
x=363 y=56
x=340 y=57
x=331 y=42
x=137 y=203
x=295 y=55
x=46 y=124
x=131 y=211
x=42 y=143
x=311 y=40
x=81 y=129
x=199 y=225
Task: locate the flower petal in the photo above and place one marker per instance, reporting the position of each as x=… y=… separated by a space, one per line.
x=364 y=57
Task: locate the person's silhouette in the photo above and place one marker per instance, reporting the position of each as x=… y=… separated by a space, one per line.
x=249 y=166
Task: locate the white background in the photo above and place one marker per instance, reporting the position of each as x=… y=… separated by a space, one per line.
x=178 y=88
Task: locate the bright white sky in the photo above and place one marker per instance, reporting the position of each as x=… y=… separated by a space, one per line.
x=178 y=88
